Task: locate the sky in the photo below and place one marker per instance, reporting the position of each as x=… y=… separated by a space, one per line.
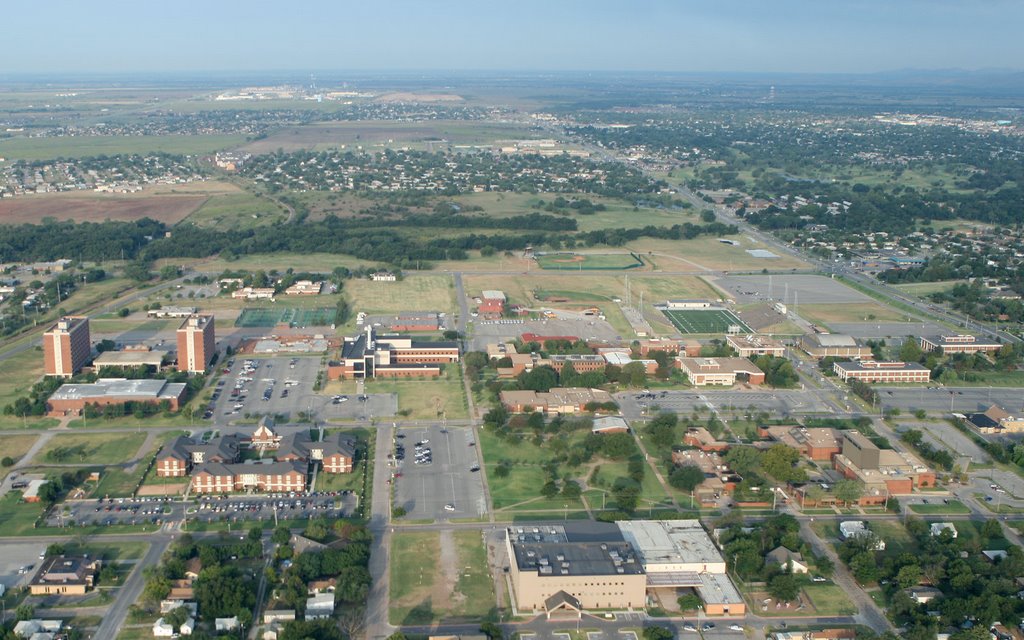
x=776 y=36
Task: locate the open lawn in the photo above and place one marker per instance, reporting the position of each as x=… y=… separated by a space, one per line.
x=238 y=211
x=312 y=262
x=169 y=209
x=414 y=561
x=617 y=214
x=15 y=447
x=852 y=312
x=954 y=507
x=473 y=596
x=521 y=289
x=17 y=517
x=416 y=292
x=84 y=146
x=92 y=448
x=433 y=135
x=651 y=493
x=425 y=399
x=117 y=482
x=589 y=261
x=927 y=288
x=829 y=600
x=18 y=373
x=708 y=254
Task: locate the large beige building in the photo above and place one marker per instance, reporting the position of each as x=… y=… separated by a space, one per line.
x=559 y=400
x=612 y=566
x=66 y=347
x=544 y=561
x=824 y=345
x=719 y=371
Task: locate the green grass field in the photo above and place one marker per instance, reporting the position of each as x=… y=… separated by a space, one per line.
x=954 y=507
x=424 y=399
x=589 y=261
x=296 y=317
x=82 y=146
x=17 y=446
x=689 y=321
x=18 y=373
x=829 y=600
x=17 y=517
x=416 y=292
x=237 y=211
x=414 y=566
x=91 y=448
x=473 y=597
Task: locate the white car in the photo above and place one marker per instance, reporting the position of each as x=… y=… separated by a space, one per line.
x=449 y=507
x=735 y=627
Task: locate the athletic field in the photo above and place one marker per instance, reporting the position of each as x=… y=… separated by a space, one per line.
x=588 y=261
x=271 y=317
x=704 y=320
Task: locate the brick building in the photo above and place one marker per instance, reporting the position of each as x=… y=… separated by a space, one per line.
x=72 y=398
x=371 y=356
x=67 y=347
x=196 y=344
x=720 y=371
x=559 y=400
x=884 y=372
x=276 y=477
x=958 y=344
x=817 y=443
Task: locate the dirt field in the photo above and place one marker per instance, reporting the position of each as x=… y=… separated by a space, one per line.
x=168 y=209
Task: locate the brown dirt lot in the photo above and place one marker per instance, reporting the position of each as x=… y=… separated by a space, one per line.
x=169 y=209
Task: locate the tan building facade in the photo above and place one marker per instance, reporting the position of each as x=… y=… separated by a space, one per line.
x=66 y=347
x=196 y=344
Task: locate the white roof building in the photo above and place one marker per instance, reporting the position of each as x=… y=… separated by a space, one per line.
x=320 y=606
x=939 y=527
x=850 y=529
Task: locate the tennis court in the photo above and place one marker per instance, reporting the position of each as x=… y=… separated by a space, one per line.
x=704 y=320
x=293 y=317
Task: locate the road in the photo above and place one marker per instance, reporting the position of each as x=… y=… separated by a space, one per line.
x=132 y=589
x=377 y=625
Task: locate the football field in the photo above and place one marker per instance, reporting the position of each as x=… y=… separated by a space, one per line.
x=704 y=320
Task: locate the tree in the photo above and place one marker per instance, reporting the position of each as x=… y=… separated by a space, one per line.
x=657 y=633
x=626 y=493
x=689 y=602
x=24 y=612
x=849 y=490
x=783 y=587
x=780 y=462
x=908 y=576
x=176 y=617
x=686 y=477
x=549 y=490
x=911 y=351
x=571 y=490
x=634 y=374
x=539 y=379
x=492 y=631
x=282 y=535
x=743 y=460
x=662 y=429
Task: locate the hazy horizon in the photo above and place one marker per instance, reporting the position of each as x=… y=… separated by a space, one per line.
x=745 y=37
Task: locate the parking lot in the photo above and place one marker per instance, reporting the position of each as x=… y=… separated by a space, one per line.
x=160 y=510
x=568 y=324
x=284 y=386
x=777 y=402
x=16 y=557
x=950 y=399
x=438 y=482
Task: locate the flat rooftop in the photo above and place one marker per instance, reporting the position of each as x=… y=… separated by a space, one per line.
x=577 y=558
x=120 y=388
x=135 y=358
x=670 y=541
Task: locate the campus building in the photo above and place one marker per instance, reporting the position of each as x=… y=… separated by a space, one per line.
x=131 y=359
x=701 y=438
x=614 y=566
x=72 y=398
x=305 y=288
x=582 y=363
x=197 y=344
x=64 y=576
x=275 y=477
x=748 y=346
x=995 y=421
x=958 y=344
x=720 y=371
x=884 y=372
x=834 y=345
x=817 y=443
x=884 y=472
x=181 y=455
x=66 y=347
x=719 y=479
x=370 y=356
x=559 y=400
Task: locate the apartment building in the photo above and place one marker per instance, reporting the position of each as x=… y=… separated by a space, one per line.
x=197 y=344
x=67 y=346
